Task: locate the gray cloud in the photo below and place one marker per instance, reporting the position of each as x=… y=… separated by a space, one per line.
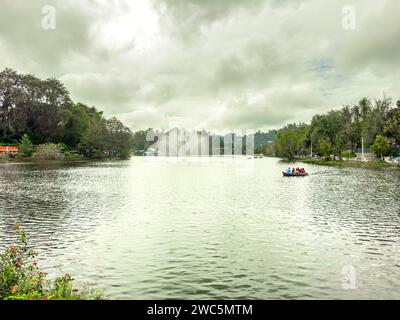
x=221 y=64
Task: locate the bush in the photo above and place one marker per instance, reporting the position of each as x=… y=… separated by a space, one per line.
x=48 y=151
x=348 y=154
x=63 y=147
x=22 y=279
x=72 y=156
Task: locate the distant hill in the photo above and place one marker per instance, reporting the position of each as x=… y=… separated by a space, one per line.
x=262 y=138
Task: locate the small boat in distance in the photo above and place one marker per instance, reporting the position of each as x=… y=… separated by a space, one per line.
x=296 y=174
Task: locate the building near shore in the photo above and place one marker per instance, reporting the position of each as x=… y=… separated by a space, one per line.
x=6 y=151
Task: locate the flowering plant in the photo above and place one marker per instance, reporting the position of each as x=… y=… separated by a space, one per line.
x=22 y=279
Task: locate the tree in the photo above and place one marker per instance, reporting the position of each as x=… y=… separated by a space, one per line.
x=139 y=141
x=381 y=146
x=94 y=142
x=44 y=111
x=325 y=148
x=33 y=106
x=119 y=139
x=25 y=146
x=392 y=125
x=76 y=125
x=287 y=144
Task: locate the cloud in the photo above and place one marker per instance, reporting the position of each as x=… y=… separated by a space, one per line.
x=199 y=63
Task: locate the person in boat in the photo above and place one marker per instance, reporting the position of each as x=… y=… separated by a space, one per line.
x=288 y=171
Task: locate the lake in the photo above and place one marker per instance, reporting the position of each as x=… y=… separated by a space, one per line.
x=153 y=228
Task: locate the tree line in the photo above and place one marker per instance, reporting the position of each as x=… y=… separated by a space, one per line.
x=141 y=140
x=340 y=133
x=37 y=112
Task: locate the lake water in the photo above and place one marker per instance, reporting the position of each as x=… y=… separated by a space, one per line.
x=158 y=229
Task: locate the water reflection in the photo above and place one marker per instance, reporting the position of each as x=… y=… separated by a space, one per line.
x=143 y=229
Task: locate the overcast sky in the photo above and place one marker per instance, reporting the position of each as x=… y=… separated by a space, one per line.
x=222 y=64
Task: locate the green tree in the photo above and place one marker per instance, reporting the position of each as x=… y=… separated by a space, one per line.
x=287 y=144
x=76 y=125
x=381 y=146
x=33 y=106
x=392 y=125
x=119 y=139
x=25 y=146
x=94 y=142
x=139 y=141
x=325 y=148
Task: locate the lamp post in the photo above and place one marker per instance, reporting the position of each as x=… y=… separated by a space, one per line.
x=362 y=149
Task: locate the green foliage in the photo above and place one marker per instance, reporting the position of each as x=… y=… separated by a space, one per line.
x=288 y=144
x=139 y=141
x=348 y=154
x=72 y=156
x=33 y=106
x=22 y=279
x=381 y=146
x=291 y=141
x=118 y=139
x=25 y=147
x=77 y=124
x=93 y=143
x=267 y=149
x=48 y=151
x=106 y=138
x=325 y=148
x=263 y=138
x=392 y=125
x=63 y=148
x=44 y=110
x=344 y=129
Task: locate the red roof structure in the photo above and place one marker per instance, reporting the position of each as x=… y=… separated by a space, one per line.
x=6 y=150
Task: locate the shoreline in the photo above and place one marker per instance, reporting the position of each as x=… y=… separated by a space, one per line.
x=354 y=164
x=56 y=161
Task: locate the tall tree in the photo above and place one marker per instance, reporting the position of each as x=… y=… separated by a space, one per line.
x=381 y=146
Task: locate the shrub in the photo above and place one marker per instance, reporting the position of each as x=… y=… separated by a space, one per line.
x=48 y=151
x=22 y=279
x=63 y=147
x=72 y=156
x=348 y=154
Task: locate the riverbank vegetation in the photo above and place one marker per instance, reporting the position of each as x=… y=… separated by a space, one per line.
x=41 y=117
x=349 y=163
x=340 y=133
x=22 y=279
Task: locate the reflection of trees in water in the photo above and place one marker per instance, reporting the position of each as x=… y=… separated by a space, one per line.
x=44 y=200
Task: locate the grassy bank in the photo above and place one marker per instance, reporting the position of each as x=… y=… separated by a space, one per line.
x=337 y=163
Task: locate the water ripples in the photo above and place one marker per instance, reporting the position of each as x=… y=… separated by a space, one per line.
x=159 y=230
